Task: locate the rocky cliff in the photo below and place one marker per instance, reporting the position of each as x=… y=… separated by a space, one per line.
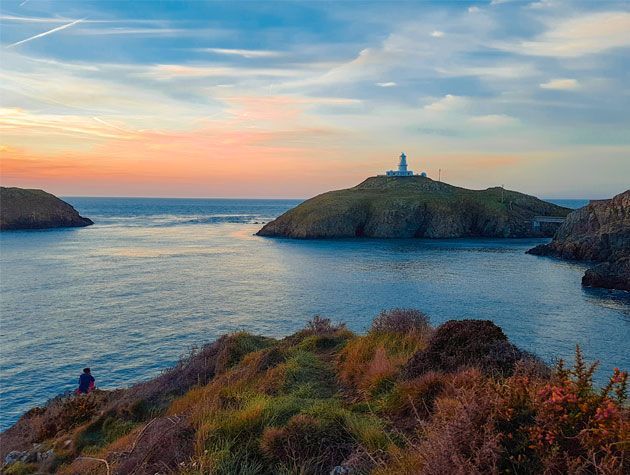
x=598 y=232
x=36 y=209
x=407 y=207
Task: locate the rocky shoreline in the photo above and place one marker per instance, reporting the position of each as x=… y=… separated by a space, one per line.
x=35 y=209
x=598 y=232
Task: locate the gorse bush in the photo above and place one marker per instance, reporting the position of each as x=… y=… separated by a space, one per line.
x=400 y=320
x=322 y=326
x=578 y=428
x=402 y=399
x=466 y=343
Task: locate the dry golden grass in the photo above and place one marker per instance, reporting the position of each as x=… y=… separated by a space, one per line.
x=367 y=361
x=324 y=397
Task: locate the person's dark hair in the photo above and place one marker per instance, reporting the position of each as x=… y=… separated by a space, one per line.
x=86 y=370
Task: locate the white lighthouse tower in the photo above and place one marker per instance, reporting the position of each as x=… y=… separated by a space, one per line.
x=402 y=168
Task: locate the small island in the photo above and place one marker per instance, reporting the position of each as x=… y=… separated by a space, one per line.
x=598 y=232
x=400 y=204
x=35 y=209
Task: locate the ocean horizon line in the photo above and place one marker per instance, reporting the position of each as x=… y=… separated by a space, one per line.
x=266 y=198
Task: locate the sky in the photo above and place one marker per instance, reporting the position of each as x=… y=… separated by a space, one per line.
x=290 y=99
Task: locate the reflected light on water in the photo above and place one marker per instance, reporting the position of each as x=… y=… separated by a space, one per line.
x=128 y=300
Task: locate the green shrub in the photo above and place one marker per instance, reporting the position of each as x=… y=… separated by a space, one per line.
x=237 y=346
x=280 y=409
x=308 y=375
x=323 y=342
x=412 y=400
x=307 y=444
x=228 y=457
x=20 y=468
x=102 y=432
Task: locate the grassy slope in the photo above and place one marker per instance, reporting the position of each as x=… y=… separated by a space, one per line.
x=404 y=398
x=411 y=207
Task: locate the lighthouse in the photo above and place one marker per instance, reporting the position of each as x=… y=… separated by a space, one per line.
x=402 y=164
x=402 y=168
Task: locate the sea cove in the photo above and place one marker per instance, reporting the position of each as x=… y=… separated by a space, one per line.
x=83 y=296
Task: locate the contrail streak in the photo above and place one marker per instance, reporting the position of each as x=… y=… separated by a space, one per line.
x=46 y=33
x=104 y=122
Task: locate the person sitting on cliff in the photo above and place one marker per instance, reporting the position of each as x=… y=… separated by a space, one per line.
x=86 y=382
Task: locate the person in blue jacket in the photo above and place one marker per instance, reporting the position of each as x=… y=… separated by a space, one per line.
x=86 y=382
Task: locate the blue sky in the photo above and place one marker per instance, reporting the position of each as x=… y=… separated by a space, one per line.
x=289 y=99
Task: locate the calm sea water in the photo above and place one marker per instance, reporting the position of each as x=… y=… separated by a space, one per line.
x=153 y=277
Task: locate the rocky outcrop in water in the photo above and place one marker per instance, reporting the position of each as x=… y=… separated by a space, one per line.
x=598 y=232
x=609 y=275
x=36 y=209
x=408 y=207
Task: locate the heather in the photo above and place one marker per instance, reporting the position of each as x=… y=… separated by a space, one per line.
x=403 y=398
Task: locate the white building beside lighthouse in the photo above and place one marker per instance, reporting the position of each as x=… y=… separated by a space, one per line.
x=402 y=168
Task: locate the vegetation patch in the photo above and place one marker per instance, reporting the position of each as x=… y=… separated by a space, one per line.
x=404 y=398
x=237 y=346
x=103 y=431
x=466 y=343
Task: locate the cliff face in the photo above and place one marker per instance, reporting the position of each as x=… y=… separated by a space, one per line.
x=598 y=232
x=36 y=209
x=407 y=207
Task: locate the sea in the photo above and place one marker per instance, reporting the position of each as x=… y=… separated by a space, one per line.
x=153 y=278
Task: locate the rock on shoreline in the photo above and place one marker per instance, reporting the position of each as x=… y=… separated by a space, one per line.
x=414 y=207
x=35 y=209
x=598 y=232
x=609 y=275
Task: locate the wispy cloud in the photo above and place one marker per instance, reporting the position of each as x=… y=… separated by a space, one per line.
x=448 y=103
x=542 y=4
x=27 y=19
x=45 y=33
x=455 y=78
x=561 y=84
x=493 y=120
x=124 y=30
x=245 y=53
x=113 y=126
x=172 y=71
x=501 y=71
x=34 y=124
x=586 y=34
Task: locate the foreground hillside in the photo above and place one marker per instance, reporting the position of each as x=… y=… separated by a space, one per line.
x=403 y=399
x=416 y=206
x=599 y=232
x=36 y=209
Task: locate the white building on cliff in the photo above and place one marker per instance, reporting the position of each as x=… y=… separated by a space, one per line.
x=402 y=168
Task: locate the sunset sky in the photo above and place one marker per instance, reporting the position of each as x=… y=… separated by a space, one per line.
x=290 y=99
